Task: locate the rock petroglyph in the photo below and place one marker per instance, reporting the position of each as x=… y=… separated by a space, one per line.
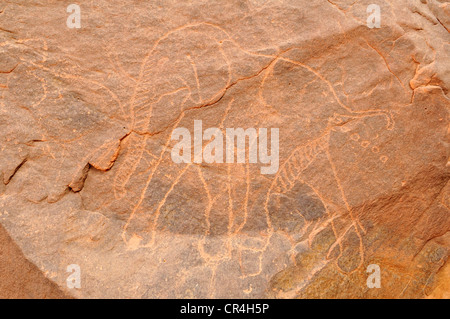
x=86 y=122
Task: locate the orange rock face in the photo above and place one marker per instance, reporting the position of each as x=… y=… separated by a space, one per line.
x=90 y=98
x=21 y=279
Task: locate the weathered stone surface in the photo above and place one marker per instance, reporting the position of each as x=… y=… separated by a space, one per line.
x=86 y=117
x=20 y=278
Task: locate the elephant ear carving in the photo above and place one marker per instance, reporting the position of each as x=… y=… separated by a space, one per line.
x=297 y=162
x=167 y=87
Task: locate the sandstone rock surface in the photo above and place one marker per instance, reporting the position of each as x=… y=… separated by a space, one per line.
x=87 y=178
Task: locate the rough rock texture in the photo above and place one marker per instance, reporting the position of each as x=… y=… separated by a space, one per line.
x=86 y=175
x=20 y=278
